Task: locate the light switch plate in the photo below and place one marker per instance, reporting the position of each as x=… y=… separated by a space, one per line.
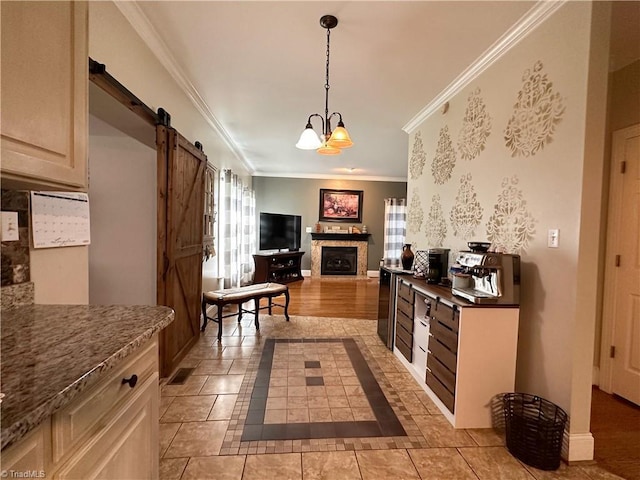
x=308 y=229
x=10 y=232
x=553 y=238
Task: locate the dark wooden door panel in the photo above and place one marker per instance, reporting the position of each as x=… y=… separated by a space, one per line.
x=181 y=196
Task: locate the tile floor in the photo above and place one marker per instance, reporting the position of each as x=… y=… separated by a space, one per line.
x=318 y=398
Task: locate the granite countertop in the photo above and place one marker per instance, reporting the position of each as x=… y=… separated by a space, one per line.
x=51 y=353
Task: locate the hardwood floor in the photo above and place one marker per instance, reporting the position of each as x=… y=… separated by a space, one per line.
x=615 y=424
x=335 y=297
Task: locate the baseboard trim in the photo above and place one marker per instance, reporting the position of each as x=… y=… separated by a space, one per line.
x=306 y=273
x=580 y=447
x=373 y=273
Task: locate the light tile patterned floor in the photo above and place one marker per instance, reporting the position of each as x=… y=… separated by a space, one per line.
x=258 y=406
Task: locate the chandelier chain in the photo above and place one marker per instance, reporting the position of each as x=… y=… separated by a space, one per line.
x=326 y=89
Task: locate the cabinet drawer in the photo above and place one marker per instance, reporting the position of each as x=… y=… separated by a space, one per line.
x=405 y=321
x=405 y=349
x=447 y=337
x=443 y=394
x=405 y=307
x=404 y=335
x=126 y=446
x=446 y=315
x=446 y=356
x=419 y=357
x=406 y=292
x=73 y=422
x=446 y=377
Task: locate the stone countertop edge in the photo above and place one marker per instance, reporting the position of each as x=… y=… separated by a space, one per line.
x=21 y=427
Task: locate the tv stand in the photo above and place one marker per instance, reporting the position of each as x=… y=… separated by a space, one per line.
x=280 y=267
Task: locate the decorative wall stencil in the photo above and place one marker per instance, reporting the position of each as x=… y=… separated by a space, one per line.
x=535 y=114
x=415 y=214
x=476 y=127
x=436 y=225
x=466 y=213
x=511 y=226
x=445 y=158
x=418 y=157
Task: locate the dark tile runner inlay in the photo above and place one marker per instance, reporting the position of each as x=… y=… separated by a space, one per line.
x=311 y=364
x=386 y=424
x=313 y=381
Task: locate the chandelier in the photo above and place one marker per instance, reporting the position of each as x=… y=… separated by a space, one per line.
x=328 y=143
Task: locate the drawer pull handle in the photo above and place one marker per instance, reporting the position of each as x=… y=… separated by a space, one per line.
x=131 y=380
x=421 y=349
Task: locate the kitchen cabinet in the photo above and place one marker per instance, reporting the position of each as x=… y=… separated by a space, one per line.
x=404 y=320
x=109 y=431
x=470 y=352
x=44 y=95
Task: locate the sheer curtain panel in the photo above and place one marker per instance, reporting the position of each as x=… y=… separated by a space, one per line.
x=237 y=222
x=395 y=229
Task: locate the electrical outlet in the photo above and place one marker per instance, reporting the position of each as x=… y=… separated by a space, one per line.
x=308 y=230
x=10 y=231
x=553 y=238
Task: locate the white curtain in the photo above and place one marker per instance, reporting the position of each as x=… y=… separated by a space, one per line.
x=395 y=229
x=237 y=223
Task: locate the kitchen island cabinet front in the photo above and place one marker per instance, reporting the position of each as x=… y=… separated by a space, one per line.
x=82 y=399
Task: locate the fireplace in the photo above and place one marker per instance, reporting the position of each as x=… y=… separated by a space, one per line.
x=339 y=261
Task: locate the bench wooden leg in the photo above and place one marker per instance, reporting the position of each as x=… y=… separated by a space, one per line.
x=270 y=298
x=204 y=315
x=219 y=322
x=256 y=307
x=286 y=304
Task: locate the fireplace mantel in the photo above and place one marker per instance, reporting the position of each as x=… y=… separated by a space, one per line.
x=347 y=237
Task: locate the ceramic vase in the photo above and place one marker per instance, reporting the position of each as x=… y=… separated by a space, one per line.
x=407 y=257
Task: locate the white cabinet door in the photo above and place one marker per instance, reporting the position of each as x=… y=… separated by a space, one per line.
x=128 y=445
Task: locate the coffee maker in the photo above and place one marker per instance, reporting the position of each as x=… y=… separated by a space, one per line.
x=437 y=264
x=493 y=278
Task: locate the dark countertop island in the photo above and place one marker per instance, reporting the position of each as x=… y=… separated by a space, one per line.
x=51 y=353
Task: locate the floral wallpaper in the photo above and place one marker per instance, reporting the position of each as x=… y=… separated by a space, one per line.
x=511 y=226
x=445 y=158
x=476 y=127
x=436 y=225
x=418 y=157
x=535 y=115
x=415 y=215
x=466 y=213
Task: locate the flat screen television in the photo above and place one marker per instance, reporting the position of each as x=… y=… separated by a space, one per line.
x=279 y=231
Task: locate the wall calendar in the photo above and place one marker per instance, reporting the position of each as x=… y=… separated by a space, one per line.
x=60 y=219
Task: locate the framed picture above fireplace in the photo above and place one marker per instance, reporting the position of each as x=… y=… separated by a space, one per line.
x=340 y=206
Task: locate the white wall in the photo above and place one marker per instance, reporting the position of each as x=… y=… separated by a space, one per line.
x=122 y=254
x=113 y=42
x=554 y=189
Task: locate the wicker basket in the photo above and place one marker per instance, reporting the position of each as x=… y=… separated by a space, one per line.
x=534 y=429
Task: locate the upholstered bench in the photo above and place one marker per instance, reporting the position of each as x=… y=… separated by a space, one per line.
x=240 y=295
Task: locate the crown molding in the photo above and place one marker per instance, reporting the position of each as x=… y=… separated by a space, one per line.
x=537 y=15
x=331 y=177
x=143 y=27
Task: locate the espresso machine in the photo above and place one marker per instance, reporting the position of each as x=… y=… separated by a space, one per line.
x=493 y=278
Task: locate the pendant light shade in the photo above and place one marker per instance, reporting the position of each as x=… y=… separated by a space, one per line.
x=327 y=149
x=309 y=139
x=340 y=137
x=328 y=143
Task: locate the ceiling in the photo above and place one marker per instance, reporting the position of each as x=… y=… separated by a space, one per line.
x=257 y=69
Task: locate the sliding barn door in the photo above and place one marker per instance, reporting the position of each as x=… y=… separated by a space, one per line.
x=181 y=175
